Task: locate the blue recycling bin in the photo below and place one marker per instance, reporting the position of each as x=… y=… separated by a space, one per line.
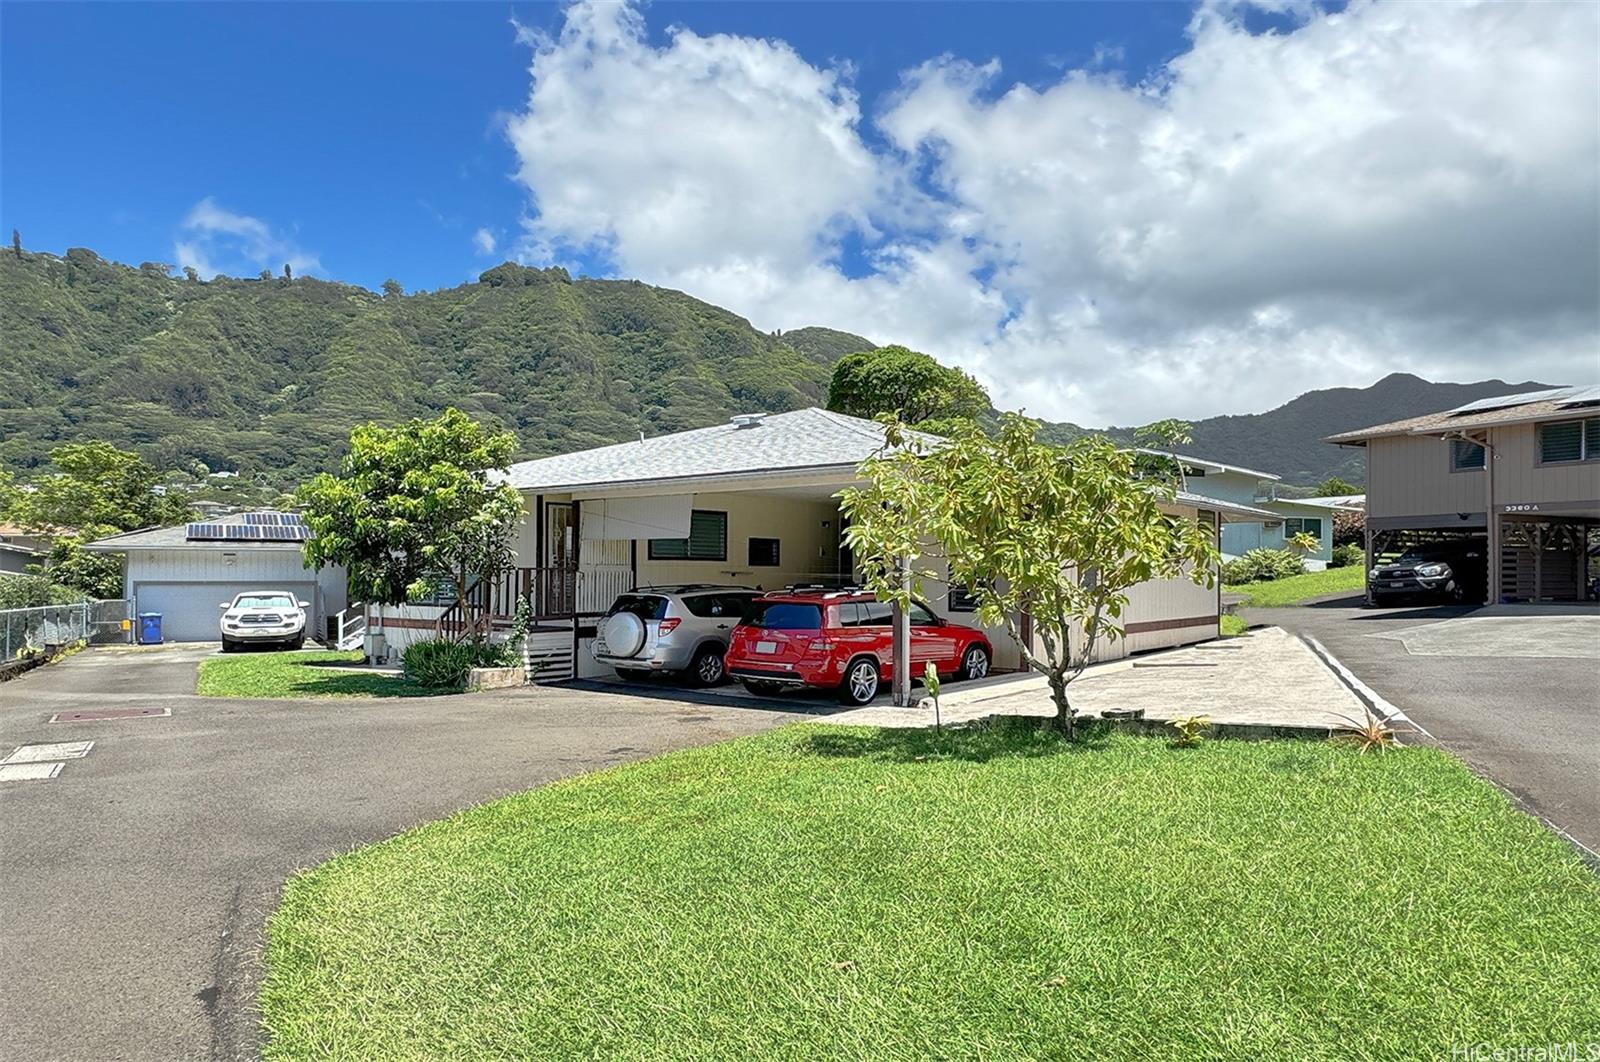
x=149 y=628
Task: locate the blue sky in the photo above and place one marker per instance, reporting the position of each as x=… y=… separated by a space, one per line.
x=1109 y=212
x=370 y=135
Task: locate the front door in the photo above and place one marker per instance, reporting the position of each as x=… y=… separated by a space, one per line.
x=559 y=582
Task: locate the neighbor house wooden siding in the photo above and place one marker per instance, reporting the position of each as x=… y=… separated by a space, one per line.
x=1519 y=478
x=1409 y=475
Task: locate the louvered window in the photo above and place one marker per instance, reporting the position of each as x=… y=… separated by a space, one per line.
x=1570 y=440
x=1465 y=455
x=708 y=539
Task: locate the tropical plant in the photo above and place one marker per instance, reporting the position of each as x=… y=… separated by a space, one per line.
x=1372 y=732
x=907 y=383
x=1303 y=542
x=1191 y=730
x=1348 y=554
x=412 y=502
x=1262 y=565
x=930 y=682
x=439 y=663
x=1059 y=534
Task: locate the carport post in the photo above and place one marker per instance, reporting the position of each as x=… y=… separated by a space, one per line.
x=902 y=643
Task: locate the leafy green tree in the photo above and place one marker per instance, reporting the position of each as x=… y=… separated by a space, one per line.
x=412 y=503
x=1059 y=534
x=191 y=274
x=1164 y=437
x=16 y=244
x=392 y=289
x=907 y=383
x=95 y=490
x=1333 y=487
x=288 y=274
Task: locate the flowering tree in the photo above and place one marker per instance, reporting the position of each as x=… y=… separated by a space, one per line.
x=1059 y=534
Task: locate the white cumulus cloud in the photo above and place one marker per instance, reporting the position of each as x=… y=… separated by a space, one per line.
x=216 y=240
x=1392 y=186
x=483 y=240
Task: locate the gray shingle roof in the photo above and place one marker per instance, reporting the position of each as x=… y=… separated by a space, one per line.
x=806 y=440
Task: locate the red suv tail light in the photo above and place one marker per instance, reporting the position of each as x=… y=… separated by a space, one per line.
x=668 y=626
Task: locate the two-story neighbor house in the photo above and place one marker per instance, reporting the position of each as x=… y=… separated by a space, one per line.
x=1283 y=518
x=1520 y=473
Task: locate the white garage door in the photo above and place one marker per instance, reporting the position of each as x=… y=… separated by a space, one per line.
x=189 y=611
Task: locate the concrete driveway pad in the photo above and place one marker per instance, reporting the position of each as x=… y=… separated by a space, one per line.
x=1574 y=637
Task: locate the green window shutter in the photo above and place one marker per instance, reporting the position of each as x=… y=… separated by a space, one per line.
x=1561 y=442
x=1591 y=439
x=708 y=539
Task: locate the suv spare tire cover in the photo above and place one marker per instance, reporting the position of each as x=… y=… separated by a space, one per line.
x=624 y=634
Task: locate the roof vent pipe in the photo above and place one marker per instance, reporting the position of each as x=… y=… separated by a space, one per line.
x=747 y=420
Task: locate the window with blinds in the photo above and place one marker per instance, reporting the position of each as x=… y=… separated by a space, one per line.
x=1465 y=455
x=1569 y=440
x=708 y=539
x=1310 y=525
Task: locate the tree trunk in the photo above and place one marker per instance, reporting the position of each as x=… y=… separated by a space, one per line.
x=1064 y=717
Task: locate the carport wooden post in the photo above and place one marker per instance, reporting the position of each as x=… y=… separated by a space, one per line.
x=902 y=642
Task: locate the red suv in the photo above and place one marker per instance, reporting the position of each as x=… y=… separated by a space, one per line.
x=843 y=639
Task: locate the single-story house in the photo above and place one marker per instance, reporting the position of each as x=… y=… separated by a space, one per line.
x=1283 y=517
x=753 y=502
x=20 y=549
x=185 y=572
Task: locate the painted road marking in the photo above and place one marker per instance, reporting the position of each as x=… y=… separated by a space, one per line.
x=61 y=750
x=29 y=772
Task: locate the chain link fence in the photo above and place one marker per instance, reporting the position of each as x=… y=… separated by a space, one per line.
x=96 y=622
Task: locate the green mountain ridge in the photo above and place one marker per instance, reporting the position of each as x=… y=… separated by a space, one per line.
x=267 y=376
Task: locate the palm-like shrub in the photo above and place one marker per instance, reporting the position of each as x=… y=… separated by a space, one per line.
x=1262 y=565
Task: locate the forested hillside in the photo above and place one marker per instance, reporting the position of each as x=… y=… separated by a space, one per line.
x=267 y=376
x=270 y=374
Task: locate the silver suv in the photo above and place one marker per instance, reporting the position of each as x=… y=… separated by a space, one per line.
x=676 y=629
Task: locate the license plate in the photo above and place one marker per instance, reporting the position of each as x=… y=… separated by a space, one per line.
x=766 y=647
x=1396 y=586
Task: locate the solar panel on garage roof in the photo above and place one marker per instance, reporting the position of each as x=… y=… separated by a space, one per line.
x=204 y=531
x=273 y=519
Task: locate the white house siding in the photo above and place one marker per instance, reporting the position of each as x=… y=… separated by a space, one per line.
x=187 y=585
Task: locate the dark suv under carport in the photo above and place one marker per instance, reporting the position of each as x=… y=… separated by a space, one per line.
x=1454 y=571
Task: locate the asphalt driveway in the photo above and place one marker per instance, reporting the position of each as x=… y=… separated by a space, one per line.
x=1513 y=690
x=137 y=882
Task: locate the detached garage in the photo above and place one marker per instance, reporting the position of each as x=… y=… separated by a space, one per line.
x=185 y=572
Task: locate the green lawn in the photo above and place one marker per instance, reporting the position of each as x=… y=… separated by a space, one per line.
x=827 y=893
x=1298 y=588
x=1231 y=626
x=301 y=674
